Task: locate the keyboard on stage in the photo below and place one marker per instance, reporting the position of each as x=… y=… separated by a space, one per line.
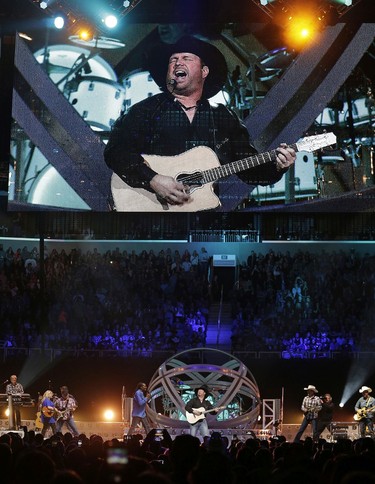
x=18 y=399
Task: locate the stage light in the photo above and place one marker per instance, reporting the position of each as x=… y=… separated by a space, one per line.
x=7 y=412
x=85 y=33
x=59 y=22
x=126 y=4
x=109 y=414
x=110 y=21
x=43 y=5
x=348 y=3
x=341 y=405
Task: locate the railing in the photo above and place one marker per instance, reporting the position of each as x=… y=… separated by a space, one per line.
x=224 y=236
x=54 y=353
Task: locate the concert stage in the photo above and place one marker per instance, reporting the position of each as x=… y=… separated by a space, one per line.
x=116 y=430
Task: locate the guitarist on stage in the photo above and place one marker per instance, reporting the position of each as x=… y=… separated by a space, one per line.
x=195 y=406
x=66 y=405
x=189 y=72
x=365 y=408
x=48 y=413
x=311 y=406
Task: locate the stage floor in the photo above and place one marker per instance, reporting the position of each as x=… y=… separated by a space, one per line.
x=116 y=430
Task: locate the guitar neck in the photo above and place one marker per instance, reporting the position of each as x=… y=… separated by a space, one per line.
x=213 y=409
x=234 y=167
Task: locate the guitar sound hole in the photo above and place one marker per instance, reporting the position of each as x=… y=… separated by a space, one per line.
x=191 y=179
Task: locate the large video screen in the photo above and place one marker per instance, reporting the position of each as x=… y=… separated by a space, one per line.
x=70 y=90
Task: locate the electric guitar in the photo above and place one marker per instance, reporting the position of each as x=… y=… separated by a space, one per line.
x=198 y=168
x=193 y=419
x=362 y=413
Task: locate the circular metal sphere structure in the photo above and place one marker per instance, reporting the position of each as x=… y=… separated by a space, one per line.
x=231 y=385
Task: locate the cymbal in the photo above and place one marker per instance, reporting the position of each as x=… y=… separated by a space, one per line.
x=98 y=42
x=271 y=64
x=276 y=59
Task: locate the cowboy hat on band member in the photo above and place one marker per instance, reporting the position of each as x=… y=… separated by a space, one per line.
x=311 y=387
x=210 y=55
x=202 y=387
x=365 y=389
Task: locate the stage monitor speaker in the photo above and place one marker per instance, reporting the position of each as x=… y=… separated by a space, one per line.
x=340 y=435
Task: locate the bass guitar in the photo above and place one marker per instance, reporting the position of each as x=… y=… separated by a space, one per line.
x=362 y=413
x=193 y=419
x=198 y=168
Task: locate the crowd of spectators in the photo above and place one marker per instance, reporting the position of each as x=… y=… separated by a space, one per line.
x=307 y=303
x=63 y=459
x=300 y=304
x=128 y=302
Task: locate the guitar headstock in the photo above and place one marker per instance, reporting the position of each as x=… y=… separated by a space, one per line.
x=314 y=143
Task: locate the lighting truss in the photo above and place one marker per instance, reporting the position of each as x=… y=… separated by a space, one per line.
x=275 y=6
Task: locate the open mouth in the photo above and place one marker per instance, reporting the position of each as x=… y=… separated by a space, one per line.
x=180 y=74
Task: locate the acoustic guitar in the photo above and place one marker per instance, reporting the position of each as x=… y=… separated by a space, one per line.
x=199 y=169
x=48 y=412
x=38 y=421
x=193 y=419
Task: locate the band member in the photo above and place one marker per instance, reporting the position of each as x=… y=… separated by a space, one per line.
x=325 y=415
x=15 y=388
x=365 y=408
x=311 y=406
x=48 y=413
x=198 y=407
x=140 y=399
x=66 y=405
x=189 y=72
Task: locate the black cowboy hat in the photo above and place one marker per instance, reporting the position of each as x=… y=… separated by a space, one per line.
x=204 y=388
x=158 y=60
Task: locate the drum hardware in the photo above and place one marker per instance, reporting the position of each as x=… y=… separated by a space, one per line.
x=77 y=67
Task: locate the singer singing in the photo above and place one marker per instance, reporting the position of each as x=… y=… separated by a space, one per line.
x=140 y=400
x=189 y=72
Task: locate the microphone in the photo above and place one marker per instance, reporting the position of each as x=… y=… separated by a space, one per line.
x=6 y=381
x=171 y=85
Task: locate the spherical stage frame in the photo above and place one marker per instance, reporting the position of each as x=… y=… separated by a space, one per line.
x=231 y=385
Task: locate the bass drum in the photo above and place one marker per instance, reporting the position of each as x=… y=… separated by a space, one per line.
x=222 y=97
x=361 y=112
x=99 y=101
x=59 y=59
x=139 y=86
x=50 y=189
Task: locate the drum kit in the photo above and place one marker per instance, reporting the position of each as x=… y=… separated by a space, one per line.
x=262 y=72
x=90 y=85
x=351 y=115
